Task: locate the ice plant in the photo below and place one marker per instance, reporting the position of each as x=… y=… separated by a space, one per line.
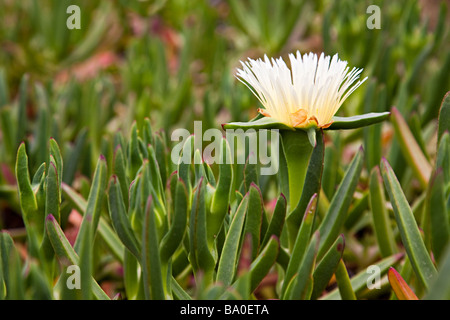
x=301 y=101
x=308 y=94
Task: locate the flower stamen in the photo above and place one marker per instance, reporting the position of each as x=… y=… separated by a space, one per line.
x=298 y=117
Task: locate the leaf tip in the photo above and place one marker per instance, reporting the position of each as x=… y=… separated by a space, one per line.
x=341 y=245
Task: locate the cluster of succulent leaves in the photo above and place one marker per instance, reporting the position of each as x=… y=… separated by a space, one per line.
x=154 y=229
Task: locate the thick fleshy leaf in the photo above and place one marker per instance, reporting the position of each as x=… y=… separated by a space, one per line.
x=358 y=121
x=444 y=116
x=27 y=198
x=301 y=286
x=410 y=149
x=66 y=254
x=436 y=209
x=263 y=263
x=343 y=281
x=85 y=261
x=95 y=199
x=52 y=199
x=381 y=223
x=106 y=232
x=133 y=154
x=409 y=231
x=327 y=267
x=221 y=198
x=443 y=156
x=250 y=175
x=301 y=243
x=253 y=221
x=200 y=255
x=331 y=164
x=6 y=253
x=406 y=273
x=400 y=287
x=151 y=263
x=155 y=176
x=228 y=259
x=335 y=216
x=174 y=236
x=179 y=292
x=440 y=286
x=55 y=152
x=41 y=289
x=73 y=158
x=131 y=275
x=277 y=221
x=261 y=123
x=11 y=265
x=360 y=280
x=338 y=122
x=160 y=156
x=120 y=171
x=120 y=219
x=52 y=206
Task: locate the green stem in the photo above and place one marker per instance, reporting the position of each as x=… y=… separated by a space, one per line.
x=304 y=166
x=297 y=150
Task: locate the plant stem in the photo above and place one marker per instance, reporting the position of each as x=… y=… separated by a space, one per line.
x=297 y=150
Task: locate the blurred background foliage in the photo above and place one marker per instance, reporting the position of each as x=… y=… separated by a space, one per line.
x=173 y=61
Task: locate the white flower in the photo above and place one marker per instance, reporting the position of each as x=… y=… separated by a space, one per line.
x=309 y=94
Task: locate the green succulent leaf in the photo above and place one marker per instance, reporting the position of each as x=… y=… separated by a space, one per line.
x=276 y=224
x=359 y=281
x=301 y=243
x=228 y=259
x=175 y=235
x=261 y=123
x=436 y=208
x=327 y=267
x=151 y=262
x=410 y=149
x=300 y=287
x=95 y=199
x=200 y=255
x=28 y=201
x=409 y=231
x=381 y=223
x=66 y=254
x=440 y=285
x=261 y=266
x=358 y=121
x=343 y=282
x=444 y=116
x=222 y=194
x=254 y=219
x=335 y=216
x=120 y=218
